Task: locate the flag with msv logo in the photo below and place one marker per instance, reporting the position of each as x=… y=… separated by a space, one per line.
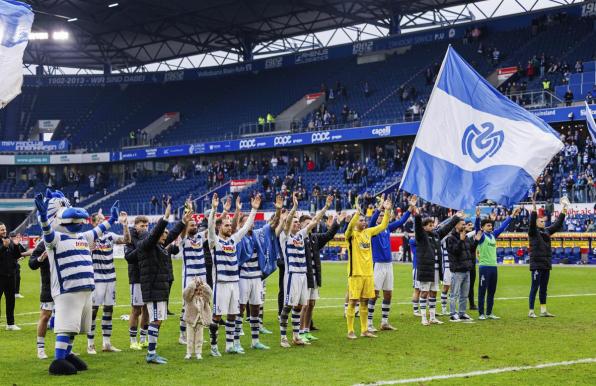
x=475 y=144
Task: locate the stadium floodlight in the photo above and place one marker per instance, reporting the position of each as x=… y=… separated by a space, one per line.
x=113 y=5
x=60 y=35
x=72 y=19
x=39 y=36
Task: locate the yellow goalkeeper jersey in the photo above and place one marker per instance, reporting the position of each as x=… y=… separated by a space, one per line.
x=360 y=262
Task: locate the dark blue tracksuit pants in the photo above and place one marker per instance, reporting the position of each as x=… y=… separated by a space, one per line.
x=540 y=279
x=487 y=286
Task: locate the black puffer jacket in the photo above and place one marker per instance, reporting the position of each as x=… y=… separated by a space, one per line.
x=540 y=249
x=45 y=294
x=312 y=250
x=154 y=262
x=130 y=254
x=459 y=252
x=428 y=248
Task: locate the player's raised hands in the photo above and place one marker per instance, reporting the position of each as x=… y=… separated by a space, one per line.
x=342 y=216
x=238 y=204
x=214 y=201
x=279 y=202
x=515 y=212
x=388 y=204
x=227 y=205
x=123 y=218
x=295 y=199
x=477 y=211
x=328 y=201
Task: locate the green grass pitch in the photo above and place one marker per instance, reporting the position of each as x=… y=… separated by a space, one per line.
x=410 y=352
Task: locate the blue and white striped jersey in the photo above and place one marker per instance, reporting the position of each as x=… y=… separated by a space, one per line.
x=225 y=261
x=293 y=250
x=193 y=258
x=445 y=255
x=103 y=258
x=250 y=269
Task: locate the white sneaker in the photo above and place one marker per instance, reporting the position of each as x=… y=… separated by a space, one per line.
x=435 y=321
x=492 y=316
x=241 y=333
x=91 y=349
x=482 y=317
x=466 y=318
x=372 y=328
x=444 y=312
x=454 y=318
x=532 y=314
x=199 y=356
x=188 y=356
x=182 y=339
x=13 y=327
x=107 y=347
x=425 y=322
x=41 y=353
x=284 y=342
x=18 y=296
x=417 y=313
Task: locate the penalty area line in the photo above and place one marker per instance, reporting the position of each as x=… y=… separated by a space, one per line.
x=481 y=372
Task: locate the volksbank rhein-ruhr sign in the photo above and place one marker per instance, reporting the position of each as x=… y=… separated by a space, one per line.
x=31 y=159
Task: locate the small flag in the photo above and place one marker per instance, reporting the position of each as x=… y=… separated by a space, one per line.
x=475 y=144
x=590 y=122
x=16 y=19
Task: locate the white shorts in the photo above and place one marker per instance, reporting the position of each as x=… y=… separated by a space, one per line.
x=73 y=313
x=416 y=283
x=136 y=295
x=226 y=299
x=446 y=276
x=251 y=291
x=383 y=276
x=313 y=293
x=104 y=294
x=48 y=306
x=426 y=286
x=296 y=289
x=157 y=311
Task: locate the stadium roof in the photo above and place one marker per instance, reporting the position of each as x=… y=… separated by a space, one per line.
x=128 y=33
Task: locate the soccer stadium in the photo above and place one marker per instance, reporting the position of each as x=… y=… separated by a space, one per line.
x=275 y=192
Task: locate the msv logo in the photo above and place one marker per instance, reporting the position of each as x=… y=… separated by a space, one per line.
x=479 y=144
x=283 y=140
x=383 y=132
x=248 y=143
x=320 y=137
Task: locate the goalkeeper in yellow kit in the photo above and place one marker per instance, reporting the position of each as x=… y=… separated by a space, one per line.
x=360 y=266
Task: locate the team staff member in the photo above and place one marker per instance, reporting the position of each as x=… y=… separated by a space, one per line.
x=458 y=246
x=10 y=253
x=361 y=285
x=39 y=260
x=541 y=254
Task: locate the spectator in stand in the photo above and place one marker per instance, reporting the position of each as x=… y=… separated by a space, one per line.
x=345 y=111
x=530 y=71
x=366 y=89
x=568 y=97
x=589 y=98
x=496 y=56
x=154 y=203
x=579 y=66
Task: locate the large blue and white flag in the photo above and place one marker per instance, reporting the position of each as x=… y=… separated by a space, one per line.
x=590 y=122
x=16 y=19
x=475 y=144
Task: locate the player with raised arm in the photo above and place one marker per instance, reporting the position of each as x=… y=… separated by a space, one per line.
x=251 y=282
x=361 y=285
x=105 y=281
x=486 y=240
x=226 y=276
x=193 y=261
x=383 y=266
x=541 y=254
x=429 y=256
x=296 y=293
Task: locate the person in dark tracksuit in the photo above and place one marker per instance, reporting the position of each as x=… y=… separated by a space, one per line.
x=38 y=260
x=473 y=245
x=487 y=265
x=10 y=253
x=541 y=256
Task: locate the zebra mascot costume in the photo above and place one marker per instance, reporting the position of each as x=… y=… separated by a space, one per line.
x=71 y=270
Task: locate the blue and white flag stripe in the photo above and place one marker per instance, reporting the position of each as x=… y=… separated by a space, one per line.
x=475 y=144
x=16 y=19
x=590 y=122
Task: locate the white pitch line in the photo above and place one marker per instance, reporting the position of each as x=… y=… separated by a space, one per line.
x=480 y=372
x=339 y=306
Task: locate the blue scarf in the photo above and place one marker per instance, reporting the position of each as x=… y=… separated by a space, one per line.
x=267 y=249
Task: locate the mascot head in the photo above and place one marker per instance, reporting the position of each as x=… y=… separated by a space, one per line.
x=62 y=216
